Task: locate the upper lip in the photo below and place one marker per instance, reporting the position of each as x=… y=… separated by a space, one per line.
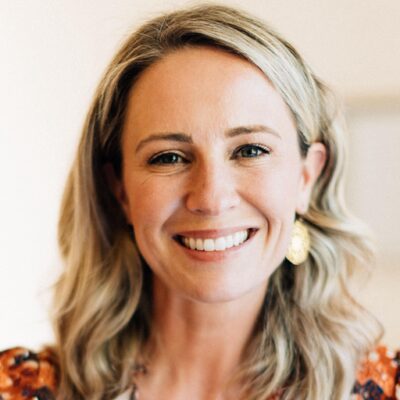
x=213 y=233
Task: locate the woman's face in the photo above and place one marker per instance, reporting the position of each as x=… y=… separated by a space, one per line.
x=212 y=174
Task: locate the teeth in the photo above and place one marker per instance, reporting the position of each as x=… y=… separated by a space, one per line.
x=199 y=244
x=237 y=238
x=217 y=244
x=220 y=244
x=209 y=245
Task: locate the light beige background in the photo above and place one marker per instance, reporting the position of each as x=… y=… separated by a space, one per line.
x=52 y=55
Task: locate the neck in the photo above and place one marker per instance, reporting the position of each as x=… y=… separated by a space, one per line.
x=197 y=342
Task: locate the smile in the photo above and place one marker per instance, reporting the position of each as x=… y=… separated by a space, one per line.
x=216 y=243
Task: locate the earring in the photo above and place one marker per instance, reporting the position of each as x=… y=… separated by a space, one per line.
x=300 y=242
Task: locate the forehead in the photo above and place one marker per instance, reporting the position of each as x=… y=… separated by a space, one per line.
x=202 y=89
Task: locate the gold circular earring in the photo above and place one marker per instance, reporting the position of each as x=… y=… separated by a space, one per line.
x=300 y=243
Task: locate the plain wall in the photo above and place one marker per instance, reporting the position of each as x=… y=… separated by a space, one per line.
x=52 y=56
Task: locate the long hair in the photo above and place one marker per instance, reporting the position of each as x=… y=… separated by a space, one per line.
x=311 y=332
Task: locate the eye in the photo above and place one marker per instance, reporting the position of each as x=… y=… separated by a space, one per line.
x=251 y=151
x=167 y=159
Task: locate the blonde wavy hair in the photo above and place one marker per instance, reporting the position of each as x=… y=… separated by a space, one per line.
x=311 y=332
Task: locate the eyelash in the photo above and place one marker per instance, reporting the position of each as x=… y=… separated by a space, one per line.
x=158 y=158
x=258 y=147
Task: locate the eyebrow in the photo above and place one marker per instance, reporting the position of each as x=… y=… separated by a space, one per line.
x=185 y=138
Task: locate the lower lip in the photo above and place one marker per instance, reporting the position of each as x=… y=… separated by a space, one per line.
x=201 y=255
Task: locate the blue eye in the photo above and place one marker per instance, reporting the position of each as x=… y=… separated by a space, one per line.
x=251 y=151
x=167 y=158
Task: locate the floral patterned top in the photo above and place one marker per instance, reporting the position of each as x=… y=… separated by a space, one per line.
x=27 y=375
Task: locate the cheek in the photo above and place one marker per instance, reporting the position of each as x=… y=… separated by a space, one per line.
x=274 y=195
x=151 y=202
x=274 y=190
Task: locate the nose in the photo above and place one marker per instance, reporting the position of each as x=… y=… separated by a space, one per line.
x=212 y=190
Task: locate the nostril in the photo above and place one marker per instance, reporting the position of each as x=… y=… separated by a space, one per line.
x=211 y=189
x=212 y=203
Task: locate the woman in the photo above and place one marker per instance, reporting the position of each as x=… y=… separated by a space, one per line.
x=206 y=242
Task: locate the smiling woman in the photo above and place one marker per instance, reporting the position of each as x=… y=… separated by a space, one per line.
x=207 y=248
x=223 y=131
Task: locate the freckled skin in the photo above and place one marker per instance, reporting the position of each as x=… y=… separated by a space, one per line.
x=203 y=92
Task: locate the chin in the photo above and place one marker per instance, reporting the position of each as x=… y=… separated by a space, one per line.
x=214 y=294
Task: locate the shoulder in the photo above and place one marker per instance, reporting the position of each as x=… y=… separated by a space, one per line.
x=378 y=377
x=27 y=375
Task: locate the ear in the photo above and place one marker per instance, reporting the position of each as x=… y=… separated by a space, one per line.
x=117 y=188
x=312 y=166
